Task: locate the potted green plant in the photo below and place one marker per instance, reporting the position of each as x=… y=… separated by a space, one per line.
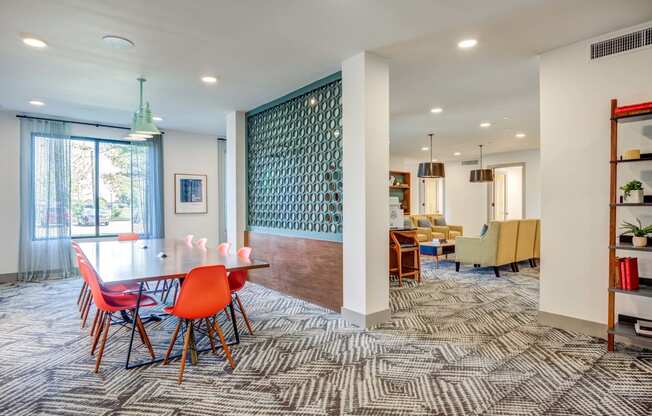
x=632 y=192
x=638 y=232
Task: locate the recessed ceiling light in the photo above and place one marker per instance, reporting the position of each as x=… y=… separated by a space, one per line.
x=209 y=79
x=467 y=43
x=156 y=118
x=485 y=124
x=34 y=42
x=456 y=154
x=436 y=110
x=117 y=42
x=505 y=118
x=520 y=135
x=424 y=148
x=37 y=103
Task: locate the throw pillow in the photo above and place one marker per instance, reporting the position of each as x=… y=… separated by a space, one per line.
x=440 y=221
x=407 y=223
x=484 y=230
x=424 y=223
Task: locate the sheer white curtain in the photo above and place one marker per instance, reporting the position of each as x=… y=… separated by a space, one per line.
x=44 y=247
x=147 y=187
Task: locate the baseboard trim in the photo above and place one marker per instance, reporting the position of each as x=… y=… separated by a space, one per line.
x=568 y=323
x=8 y=277
x=365 y=321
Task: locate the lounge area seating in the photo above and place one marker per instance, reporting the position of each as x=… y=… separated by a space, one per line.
x=433 y=226
x=504 y=242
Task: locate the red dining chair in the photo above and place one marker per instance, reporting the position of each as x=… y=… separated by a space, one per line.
x=128 y=236
x=204 y=292
x=201 y=243
x=85 y=299
x=223 y=248
x=107 y=305
x=237 y=280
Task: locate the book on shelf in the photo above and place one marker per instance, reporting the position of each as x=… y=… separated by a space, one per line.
x=627 y=268
x=643 y=328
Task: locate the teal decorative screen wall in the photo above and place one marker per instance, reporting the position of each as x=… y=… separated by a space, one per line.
x=294 y=163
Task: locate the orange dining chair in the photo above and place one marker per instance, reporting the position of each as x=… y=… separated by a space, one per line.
x=201 y=243
x=237 y=280
x=204 y=292
x=224 y=248
x=128 y=236
x=107 y=305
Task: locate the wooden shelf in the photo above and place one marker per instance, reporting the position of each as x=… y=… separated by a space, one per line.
x=626 y=329
x=402 y=189
x=643 y=291
x=630 y=246
x=625 y=204
x=630 y=160
x=406 y=187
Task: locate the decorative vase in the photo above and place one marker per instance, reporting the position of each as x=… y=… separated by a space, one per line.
x=639 y=241
x=635 y=197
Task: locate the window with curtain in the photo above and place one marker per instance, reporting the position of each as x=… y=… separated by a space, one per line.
x=106 y=188
x=75 y=187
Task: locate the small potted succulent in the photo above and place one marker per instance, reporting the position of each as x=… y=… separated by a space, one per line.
x=638 y=232
x=632 y=192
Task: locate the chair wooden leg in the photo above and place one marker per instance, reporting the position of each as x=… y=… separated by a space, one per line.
x=87 y=308
x=225 y=346
x=100 y=353
x=172 y=341
x=81 y=292
x=143 y=335
x=95 y=321
x=400 y=269
x=457 y=266
x=98 y=331
x=515 y=267
x=417 y=264
x=209 y=327
x=496 y=271
x=244 y=314
x=184 y=353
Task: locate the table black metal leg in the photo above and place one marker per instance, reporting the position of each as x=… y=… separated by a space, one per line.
x=133 y=324
x=235 y=323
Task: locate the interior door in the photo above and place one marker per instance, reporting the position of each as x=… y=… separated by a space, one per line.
x=499 y=196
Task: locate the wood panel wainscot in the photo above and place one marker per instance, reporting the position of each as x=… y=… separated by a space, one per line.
x=300 y=267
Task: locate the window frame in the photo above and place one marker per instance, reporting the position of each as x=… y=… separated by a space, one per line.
x=96 y=185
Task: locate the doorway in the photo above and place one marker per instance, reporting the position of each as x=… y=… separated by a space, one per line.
x=431 y=196
x=506 y=194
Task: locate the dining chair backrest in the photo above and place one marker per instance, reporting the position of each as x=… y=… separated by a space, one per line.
x=238 y=278
x=204 y=292
x=128 y=236
x=201 y=243
x=91 y=278
x=188 y=239
x=223 y=248
x=245 y=252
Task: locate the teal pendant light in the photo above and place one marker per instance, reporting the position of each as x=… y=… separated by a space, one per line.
x=142 y=126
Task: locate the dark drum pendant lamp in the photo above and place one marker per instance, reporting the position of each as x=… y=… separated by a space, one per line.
x=482 y=175
x=431 y=169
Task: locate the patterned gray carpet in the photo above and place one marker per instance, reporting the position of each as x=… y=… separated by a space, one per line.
x=458 y=344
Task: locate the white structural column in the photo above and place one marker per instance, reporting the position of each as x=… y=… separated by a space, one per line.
x=365 y=105
x=236 y=180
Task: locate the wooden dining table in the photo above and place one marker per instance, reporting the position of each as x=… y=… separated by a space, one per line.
x=155 y=260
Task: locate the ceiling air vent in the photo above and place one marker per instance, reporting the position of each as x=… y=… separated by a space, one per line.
x=622 y=43
x=469 y=162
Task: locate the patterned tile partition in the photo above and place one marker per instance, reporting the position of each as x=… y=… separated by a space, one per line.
x=294 y=163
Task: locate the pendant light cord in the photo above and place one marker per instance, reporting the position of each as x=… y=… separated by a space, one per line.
x=430 y=161
x=141 y=81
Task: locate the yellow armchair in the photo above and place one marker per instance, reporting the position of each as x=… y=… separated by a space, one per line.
x=494 y=249
x=525 y=243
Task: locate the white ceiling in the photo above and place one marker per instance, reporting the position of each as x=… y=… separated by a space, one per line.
x=264 y=49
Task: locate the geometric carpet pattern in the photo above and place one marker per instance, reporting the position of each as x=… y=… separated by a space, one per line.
x=458 y=344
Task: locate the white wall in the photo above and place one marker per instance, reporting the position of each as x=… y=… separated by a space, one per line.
x=9 y=197
x=575 y=96
x=182 y=152
x=466 y=202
